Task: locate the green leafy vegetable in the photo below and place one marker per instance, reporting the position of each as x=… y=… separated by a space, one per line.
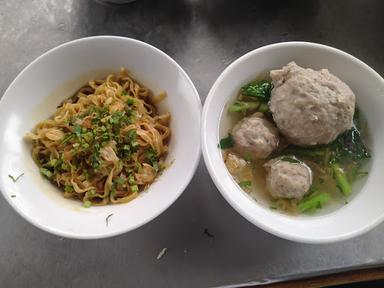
x=313 y=202
x=226 y=142
x=350 y=145
x=261 y=90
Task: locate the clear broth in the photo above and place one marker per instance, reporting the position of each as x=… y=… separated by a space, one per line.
x=322 y=179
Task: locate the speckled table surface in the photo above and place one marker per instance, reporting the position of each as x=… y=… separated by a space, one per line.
x=204 y=37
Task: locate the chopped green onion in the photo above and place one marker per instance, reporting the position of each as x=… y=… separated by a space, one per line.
x=47 y=173
x=120 y=180
x=130 y=101
x=77 y=130
x=87 y=204
x=68 y=188
x=65 y=166
x=131 y=134
x=131 y=179
x=68 y=138
x=245 y=184
x=248 y=156
x=135 y=188
x=54 y=162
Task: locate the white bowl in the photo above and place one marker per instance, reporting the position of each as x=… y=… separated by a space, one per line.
x=366 y=209
x=56 y=75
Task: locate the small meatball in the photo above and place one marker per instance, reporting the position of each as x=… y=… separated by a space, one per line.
x=255 y=136
x=310 y=107
x=287 y=180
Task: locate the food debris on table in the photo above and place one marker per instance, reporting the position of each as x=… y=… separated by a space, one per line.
x=208 y=234
x=161 y=253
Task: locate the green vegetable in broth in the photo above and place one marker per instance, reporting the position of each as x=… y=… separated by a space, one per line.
x=260 y=90
x=341 y=179
x=313 y=202
x=264 y=108
x=242 y=106
x=350 y=145
x=333 y=167
x=226 y=142
x=245 y=184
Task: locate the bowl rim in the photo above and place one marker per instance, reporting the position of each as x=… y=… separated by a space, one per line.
x=176 y=195
x=211 y=167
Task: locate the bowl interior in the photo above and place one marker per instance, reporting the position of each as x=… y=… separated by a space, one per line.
x=34 y=96
x=368 y=86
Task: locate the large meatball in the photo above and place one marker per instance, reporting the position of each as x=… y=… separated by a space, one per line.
x=255 y=136
x=310 y=107
x=287 y=179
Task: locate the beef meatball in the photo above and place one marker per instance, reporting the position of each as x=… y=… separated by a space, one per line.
x=310 y=107
x=255 y=136
x=286 y=179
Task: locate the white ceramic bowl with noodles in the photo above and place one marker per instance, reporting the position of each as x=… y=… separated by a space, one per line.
x=34 y=95
x=366 y=209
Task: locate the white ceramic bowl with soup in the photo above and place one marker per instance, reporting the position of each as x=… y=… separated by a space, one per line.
x=56 y=75
x=364 y=209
